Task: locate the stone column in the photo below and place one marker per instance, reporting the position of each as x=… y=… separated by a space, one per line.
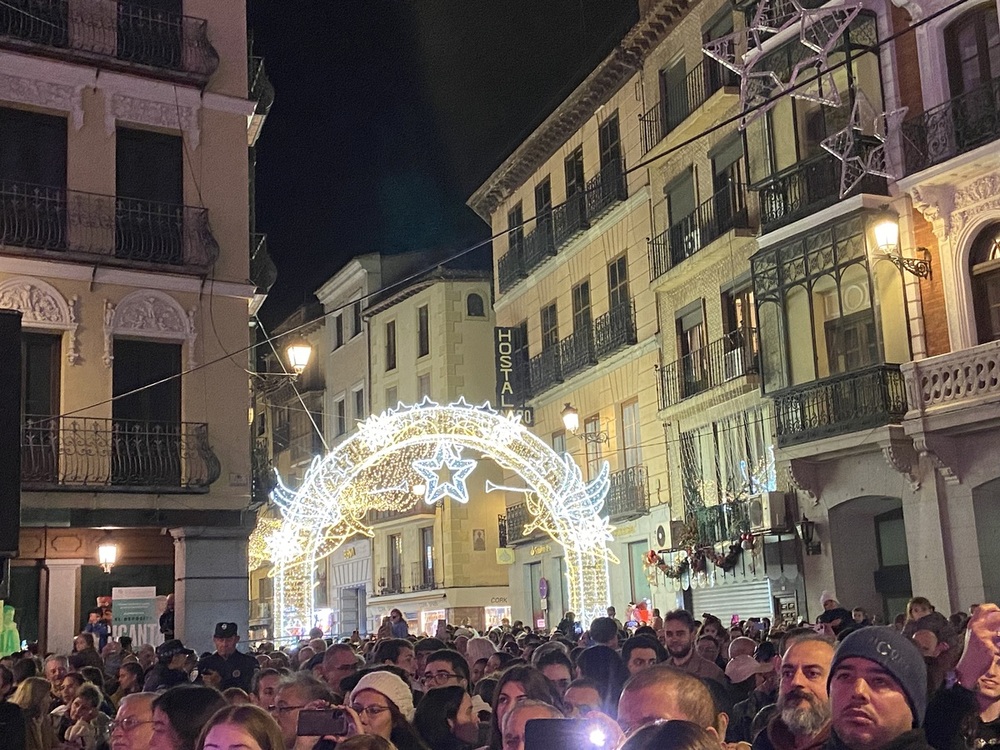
x=62 y=604
x=211 y=582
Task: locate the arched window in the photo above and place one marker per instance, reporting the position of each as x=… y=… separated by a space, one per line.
x=985 y=266
x=474 y=306
x=972 y=47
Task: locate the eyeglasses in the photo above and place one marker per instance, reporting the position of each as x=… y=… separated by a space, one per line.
x=369 y=712
x=127 y=725
x=437 y=677
x=282 y=710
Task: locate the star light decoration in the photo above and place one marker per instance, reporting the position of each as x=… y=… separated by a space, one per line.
x=860 y=146
x=760 y=89
x=460 y=468
x=378 y=468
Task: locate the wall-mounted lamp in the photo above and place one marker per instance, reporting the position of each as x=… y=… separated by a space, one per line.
x=886 y=232
x=298 y=352
x=107 y=555
x=571 y=421
x=807 y=529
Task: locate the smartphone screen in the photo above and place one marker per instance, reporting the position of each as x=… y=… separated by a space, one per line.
x=565 y=734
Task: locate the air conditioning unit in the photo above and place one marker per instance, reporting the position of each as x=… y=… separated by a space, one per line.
x=732 y=364
x=767 y=511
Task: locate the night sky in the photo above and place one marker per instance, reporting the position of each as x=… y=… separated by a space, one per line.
x=388 y=114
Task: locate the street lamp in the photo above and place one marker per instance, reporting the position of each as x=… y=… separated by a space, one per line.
x=886 y=231
x=298 y=351
x=107 y=555
x=571 y=421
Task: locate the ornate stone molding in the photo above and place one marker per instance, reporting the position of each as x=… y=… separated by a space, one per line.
x=974 y=198
x=912 y=8
x=802 y=477
x=901 y=456
x=43 y=306
x=171 y=115
x=939 y=456
x=60 y=96
x=148 y=314
x=936 y=203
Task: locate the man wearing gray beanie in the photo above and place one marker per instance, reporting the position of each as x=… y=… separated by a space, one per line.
x=878 y=692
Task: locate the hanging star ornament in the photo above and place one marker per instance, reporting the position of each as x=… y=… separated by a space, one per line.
x=450 y=458
x=860 y=146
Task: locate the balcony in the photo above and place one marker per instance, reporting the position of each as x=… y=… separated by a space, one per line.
x=422 y=578
x=628 y=497
x=419 y=508
x=111 y=34
x=720 y=523
x=952 y=390
x=544 y=370
x=576 y=351
x=726 y=359
x=861 y=400
x=105 y=455
x=723 y=212
x=260 y=611
x=805 y=188
x=263 y=272
x=261 y=91
x=539 y=244
x=953 y=128
x=390 y=581
x=606 y=189
x=614 y=330
x=569 y=219
x=510 y=269
x=512 y=526
x=683 y=100
x=263 y=479
x=105 y=229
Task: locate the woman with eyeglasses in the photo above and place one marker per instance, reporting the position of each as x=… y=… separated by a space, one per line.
x=382 y=704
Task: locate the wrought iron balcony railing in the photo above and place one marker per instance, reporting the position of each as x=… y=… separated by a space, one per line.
x=502 y=530
x=576 y=351
x=419 y=508
x=723 y=212
x=116 y=455
x=724 y=522
x=260 y=88
x=422 y=577
x=544 y=370
x=606 y=188
x=629 y=494
x=123 y=231
x=807 y=187
x=569 y=219
x=263 y=272
x=853 y=401
x=732 y=356
x=539 y=243
x=263 y=479
x=510 y=269
x=513 y=523
x=614 y=330
x=111 y=34
x=682 y=100
x=390 y=581
x=953 y=128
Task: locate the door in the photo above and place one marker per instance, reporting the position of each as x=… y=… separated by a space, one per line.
x=149 y=212
x=147 y=440
x=728 y=180
x=40 y=357
x=674 y=95
x=682 y=218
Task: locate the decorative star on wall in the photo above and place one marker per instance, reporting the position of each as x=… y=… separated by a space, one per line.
x=450 y=458
x=860 y=146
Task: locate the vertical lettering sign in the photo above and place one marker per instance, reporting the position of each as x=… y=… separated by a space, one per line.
x=510 y=391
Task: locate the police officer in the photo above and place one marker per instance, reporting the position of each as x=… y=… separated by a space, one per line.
x=235 y=668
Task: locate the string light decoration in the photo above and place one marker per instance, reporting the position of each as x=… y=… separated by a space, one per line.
x=860 y=146
x=377 y=468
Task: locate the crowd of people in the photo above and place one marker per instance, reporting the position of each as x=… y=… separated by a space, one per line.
x=680 y=682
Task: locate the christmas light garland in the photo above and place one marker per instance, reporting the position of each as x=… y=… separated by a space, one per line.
x=381 y=467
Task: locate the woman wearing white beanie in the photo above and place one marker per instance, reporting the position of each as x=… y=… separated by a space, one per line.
x=384 y=707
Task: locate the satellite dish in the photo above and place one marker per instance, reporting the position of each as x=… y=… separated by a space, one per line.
x=661 y=536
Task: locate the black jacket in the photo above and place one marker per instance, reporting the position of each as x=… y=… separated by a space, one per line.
x=953 y=723
x=912 y=740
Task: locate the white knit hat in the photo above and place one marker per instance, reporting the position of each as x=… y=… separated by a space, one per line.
x=827 y=596
x=389 y=685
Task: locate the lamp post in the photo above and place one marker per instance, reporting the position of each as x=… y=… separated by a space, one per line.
x=571 y=421
x=107 y=555
x=886 y=231
x=298 y=352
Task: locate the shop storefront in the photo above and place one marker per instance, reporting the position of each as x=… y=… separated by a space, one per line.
x=480 y=607
x=344 y=581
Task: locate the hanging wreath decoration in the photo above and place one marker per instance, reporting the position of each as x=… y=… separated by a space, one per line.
x=697 y=556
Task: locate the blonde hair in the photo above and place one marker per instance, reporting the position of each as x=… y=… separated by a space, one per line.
x=257 y=722
x=31 y=695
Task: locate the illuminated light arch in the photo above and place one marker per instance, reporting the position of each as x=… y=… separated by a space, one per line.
x=393 y=452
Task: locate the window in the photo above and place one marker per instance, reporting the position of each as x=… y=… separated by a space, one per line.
x=424 y=385
x=426 y=579
x=581 y=307
x=716 y=74
x=33 y=148
x=728 y=179
x=339 y=417
x=149 y=174
x=674 y=95
x=559 y=442
x=391 y=398
x=618 y=294
x=356 y=318
x=515 y=230
x=972 y=49
x=985 y=261
x=474 y=306
x=304 y=432
x=691 y=341
x=739 y=321
x=281 y=432
x=592 y=426
x=360 y=410
x=631 y=442
x=543 y=205
x=423 y=332
x=395 y=544
x=338 y=331
x=573 y=167
x=390 y=345
x=39 y=403
x=684 y=236
x=610 y=142
x=550 y=326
